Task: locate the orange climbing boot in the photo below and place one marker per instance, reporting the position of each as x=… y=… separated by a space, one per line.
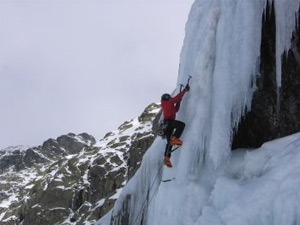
x=176 y=141
x=168 y=161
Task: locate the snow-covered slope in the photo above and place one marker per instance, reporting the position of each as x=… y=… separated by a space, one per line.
x=259 y=186
x=221 y=51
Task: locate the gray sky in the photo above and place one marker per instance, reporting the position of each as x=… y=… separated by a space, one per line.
x=84 y=66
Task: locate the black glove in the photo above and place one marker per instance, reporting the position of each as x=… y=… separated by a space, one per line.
x=187 y=87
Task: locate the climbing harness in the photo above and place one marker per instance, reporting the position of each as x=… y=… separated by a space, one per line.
x=163 y=127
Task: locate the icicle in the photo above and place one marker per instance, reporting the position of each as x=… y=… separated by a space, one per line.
x=285 y=25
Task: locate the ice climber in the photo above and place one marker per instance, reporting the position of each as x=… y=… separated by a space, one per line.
x=174 y=128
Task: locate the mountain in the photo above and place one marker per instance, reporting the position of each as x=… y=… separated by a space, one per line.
x=244 y=59
x=72 y=179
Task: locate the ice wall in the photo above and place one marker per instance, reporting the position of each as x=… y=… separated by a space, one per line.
x=285 y=11
x=221 y=51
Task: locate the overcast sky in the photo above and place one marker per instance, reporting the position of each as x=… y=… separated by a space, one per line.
x=84 y=66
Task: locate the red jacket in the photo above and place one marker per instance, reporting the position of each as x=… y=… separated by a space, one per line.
x=171 y=106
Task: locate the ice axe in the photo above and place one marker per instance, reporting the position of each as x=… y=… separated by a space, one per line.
x=181 y=85
x=188 y=83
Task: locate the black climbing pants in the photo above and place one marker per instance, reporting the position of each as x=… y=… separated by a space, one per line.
x=175 y=128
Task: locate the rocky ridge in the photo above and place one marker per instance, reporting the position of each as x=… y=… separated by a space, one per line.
x=72 y=179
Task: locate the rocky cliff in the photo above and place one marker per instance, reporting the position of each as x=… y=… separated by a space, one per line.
x=71 y=179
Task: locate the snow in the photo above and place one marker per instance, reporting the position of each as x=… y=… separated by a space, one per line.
x=29 y=186
x=57 y=208
x=213 y=185
x=36 y=205
x=11 y=218
x=265 y=190
x=85 y=178
x=70 y=156
x=2 y=215
x=82 y=140
x=117 y=194
x=18 y=147
x=60 y=187
x=7 y=202
x=21 y=180
x=258 y=186
x=100 y=203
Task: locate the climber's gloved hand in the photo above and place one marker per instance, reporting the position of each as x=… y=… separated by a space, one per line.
x=187 y=87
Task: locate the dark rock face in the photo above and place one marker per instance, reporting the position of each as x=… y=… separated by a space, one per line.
x=142 y=141
x=148 y=114
x=155 y=128
x=32 y=157
x=272 y=116
x=137 y=151
x=51 y=149
x=19 y=160
x=67 y=144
